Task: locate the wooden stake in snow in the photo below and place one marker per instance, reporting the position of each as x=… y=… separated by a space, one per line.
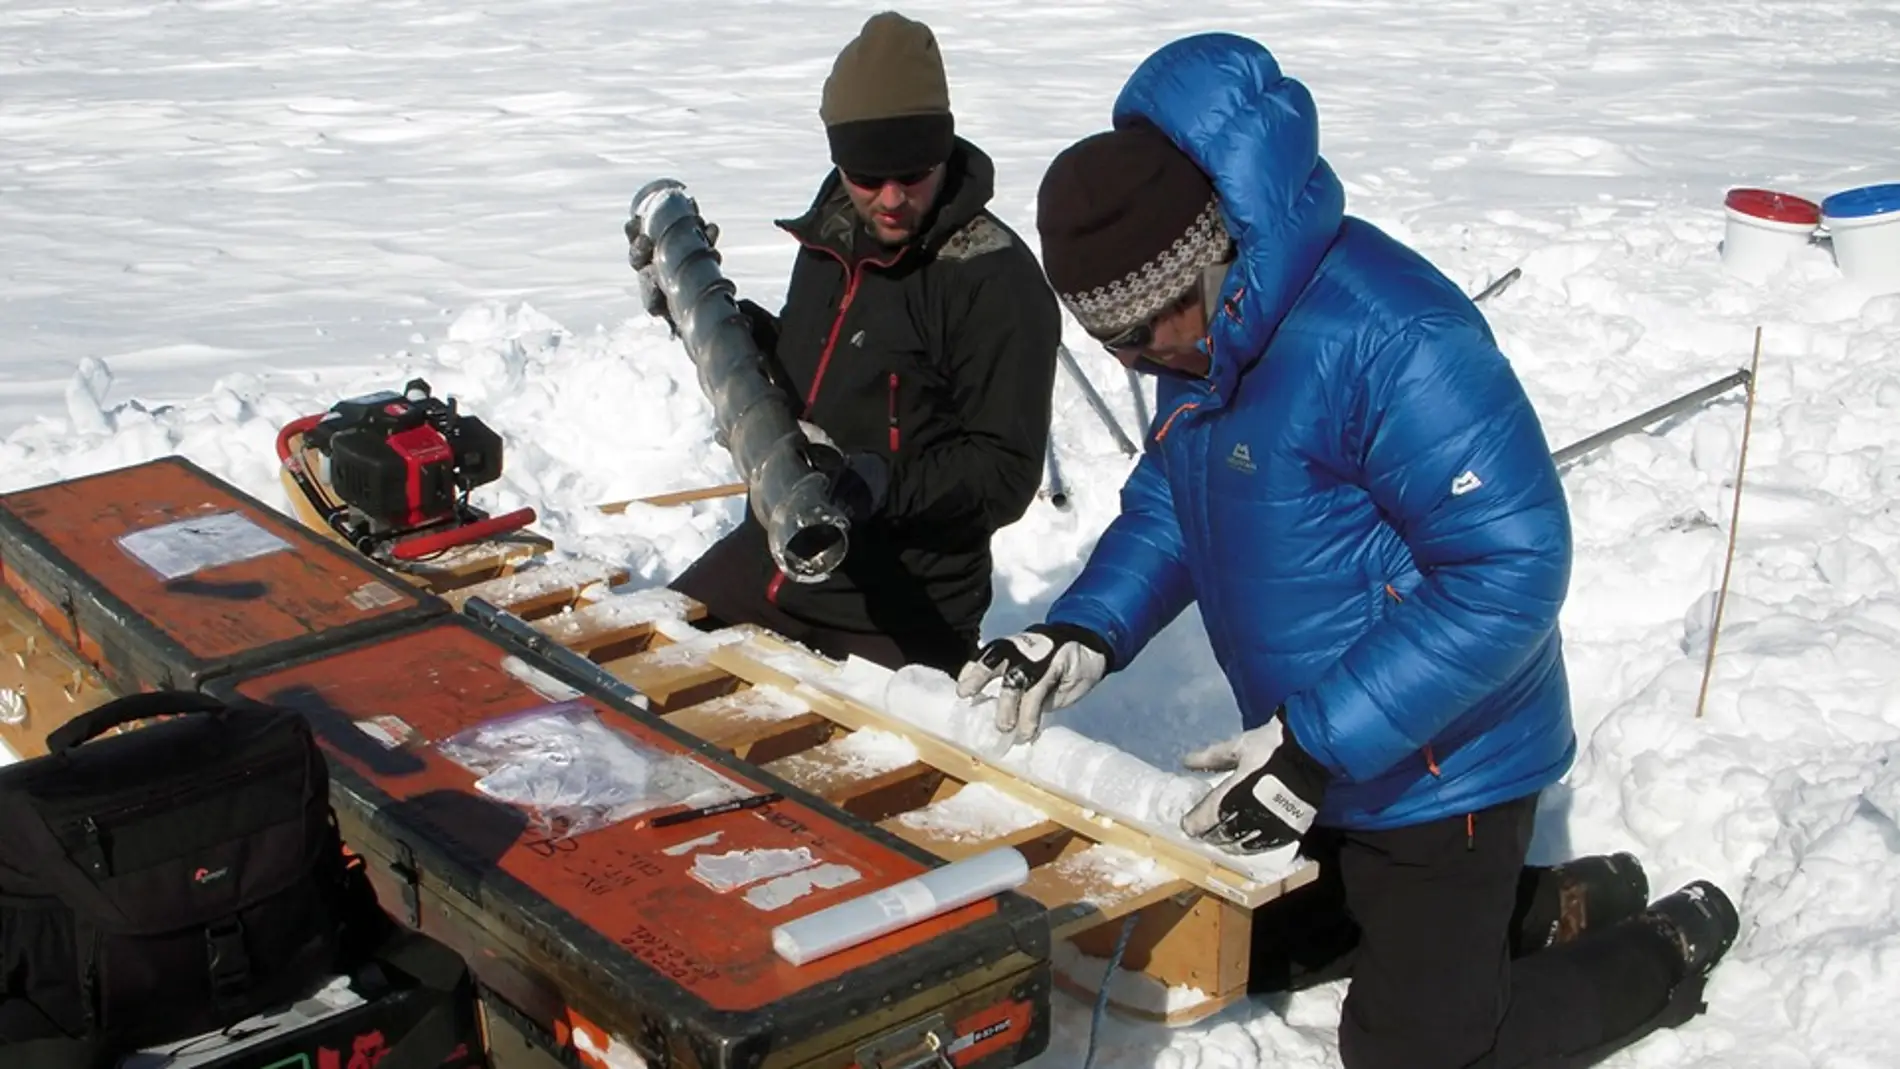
x=677 y=497
x=1734 y=525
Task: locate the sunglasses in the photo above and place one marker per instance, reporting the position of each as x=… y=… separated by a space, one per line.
x=1140 y=338
x=1135 y=340
x=874 y=181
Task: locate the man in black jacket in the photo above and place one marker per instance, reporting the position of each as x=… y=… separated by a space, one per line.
x=919 y=336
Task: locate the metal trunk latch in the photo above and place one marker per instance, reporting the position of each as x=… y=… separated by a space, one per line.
x=922 y=1044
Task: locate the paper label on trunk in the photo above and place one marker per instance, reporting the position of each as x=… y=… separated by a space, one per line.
x=182 y=547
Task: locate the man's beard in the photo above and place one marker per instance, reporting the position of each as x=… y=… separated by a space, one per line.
x=911 y=222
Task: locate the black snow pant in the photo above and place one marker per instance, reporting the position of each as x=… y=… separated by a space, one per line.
x=1422 y=920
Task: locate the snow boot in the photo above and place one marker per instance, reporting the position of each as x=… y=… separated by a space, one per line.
x=1556 y=905
x=1685 y=1003
x=1700 y=922
x=1693 y=928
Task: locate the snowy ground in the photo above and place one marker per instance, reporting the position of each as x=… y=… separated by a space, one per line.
x=217 y=215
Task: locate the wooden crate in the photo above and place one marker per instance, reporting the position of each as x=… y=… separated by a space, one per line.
x=753 y=694
x=761 y=698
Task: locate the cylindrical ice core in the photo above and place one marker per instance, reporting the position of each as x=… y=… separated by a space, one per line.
x=900 y=905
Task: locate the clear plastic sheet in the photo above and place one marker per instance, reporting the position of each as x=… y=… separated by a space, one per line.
x=573 y=774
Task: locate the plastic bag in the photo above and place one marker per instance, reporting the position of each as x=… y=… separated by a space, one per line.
x=574 y=774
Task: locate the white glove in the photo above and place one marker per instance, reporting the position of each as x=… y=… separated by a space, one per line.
x=1048 y=666
x=1270 y=797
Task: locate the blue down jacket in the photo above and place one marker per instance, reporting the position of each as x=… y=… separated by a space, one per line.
x=1359 y=498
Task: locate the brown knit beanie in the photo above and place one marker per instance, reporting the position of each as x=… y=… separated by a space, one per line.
x=1128 y=223
x=886 y=105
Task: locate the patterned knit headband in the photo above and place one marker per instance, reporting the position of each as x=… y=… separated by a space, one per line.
x=1146 y=292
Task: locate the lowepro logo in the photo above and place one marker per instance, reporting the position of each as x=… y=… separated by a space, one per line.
x=204 y=876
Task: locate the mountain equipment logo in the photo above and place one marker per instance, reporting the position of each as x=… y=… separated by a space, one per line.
x=1465 y=483
x=1241 y=459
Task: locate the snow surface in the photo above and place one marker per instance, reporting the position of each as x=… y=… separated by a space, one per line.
x=215 y=216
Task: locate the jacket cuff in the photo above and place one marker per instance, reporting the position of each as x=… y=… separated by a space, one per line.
x=1064 y=632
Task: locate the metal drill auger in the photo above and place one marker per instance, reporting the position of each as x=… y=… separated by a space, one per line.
x=672 y=246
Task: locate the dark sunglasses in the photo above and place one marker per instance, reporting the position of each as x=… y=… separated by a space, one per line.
x=873 y=181
x=1139 y=338
x=1136 y=339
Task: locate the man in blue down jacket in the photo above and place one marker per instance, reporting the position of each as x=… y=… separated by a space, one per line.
x=1346 y=476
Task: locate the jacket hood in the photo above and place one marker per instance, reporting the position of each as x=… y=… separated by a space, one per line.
x=1222 y=100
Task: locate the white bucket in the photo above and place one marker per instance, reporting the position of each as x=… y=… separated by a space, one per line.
x=1764 y=229
x=1865 y=227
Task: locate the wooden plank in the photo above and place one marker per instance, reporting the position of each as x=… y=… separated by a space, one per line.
x=1087 y=991
x=671 y=684
x=677 y=670
x=759 y=724
x=952 y=846
x=1193 y=940
x=972 y=820
x=618 y=624
x=870 y=774
x=841 y=767
x=871 y=796
x=547 y=588
x=1097 y=877
x=476 y=562
x=899 y=792
x=677 y=497
x=1199 y=868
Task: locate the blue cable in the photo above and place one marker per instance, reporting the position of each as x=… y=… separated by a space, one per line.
x=1101 y=997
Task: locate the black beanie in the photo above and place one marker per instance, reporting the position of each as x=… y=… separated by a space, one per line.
x=886 y=105
x=1128 y=224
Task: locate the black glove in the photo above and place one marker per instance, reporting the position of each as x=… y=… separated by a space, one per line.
x=1269 y=800
x=763 y=326
x=857 y=482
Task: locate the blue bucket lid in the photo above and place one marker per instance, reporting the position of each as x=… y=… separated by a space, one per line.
x=1863 y=202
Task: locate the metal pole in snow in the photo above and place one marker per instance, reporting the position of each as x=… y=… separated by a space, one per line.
x=1502 y=283
x=1095 y=400
x=1635 y=423
x=1057 y=491
x=1660 y=412
x=1141 y=399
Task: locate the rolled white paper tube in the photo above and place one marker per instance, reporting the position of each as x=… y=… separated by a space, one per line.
x=864 y=918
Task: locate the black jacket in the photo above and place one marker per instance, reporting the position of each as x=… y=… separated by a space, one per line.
x=940 y=357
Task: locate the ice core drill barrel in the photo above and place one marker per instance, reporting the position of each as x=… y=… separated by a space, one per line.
x=805 y=531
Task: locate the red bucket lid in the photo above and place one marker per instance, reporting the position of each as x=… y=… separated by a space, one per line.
x=1773 y=206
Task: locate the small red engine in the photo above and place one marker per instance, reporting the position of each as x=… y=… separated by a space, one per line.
x=401 y=465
